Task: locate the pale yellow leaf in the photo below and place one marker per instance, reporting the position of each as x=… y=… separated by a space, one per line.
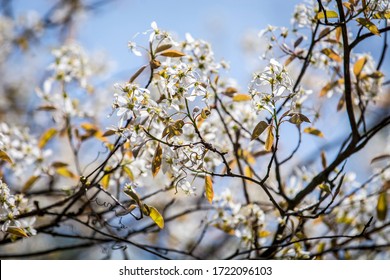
x=239 y=97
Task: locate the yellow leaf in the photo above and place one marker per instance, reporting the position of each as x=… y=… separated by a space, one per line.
x=63 y=171
x=129 y=173
x=239 y=97
x=270 y=139
x=106 y=181
x=156 y=217
x=19 y=232
x=369 y=25
x=358 y=66
x=329 y=14
x=259 y=129
x=172 y=53
x=264 y=233
x=29 y=183
x=59 y=164
x=381 y=207
x=248 y=172
x=313 y=131
x=4 y=156
x=157 y=159
x=209 y=188
x=325 y=188
x=331 y=54
x=46 y=136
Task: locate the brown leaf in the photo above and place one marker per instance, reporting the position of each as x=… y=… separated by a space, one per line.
x=157 y=160
x=172 y=53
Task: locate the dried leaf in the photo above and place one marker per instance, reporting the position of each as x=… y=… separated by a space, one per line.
x=239 y=97
x=157 y=160
x=381 y=157
x=59 y=164
x=270 y=139
x=381 y=207
x=29 y=183
x=358 y=66
x=136 y=74
x=5 y=157
x=156 y=217
x=298 y=119
x=331 y=54
x=46 y=136
x=109 y=133
x=163 y=48
x=259 y=129
x=209 y=188
x=298 y=42
x=369 y=25
x=329 y=14
x=230 y=91
x=172 y=53
x=323 y=160
x=46 y=108
x=313 y=131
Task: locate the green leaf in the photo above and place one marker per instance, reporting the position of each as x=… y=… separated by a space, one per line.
x=270 y=139
x=4 y=156
x=314 y=131
x=259 y=129
x=46 y=136
x=209 y=188
x=240 y=97
x=329 y=14
x=157 y=160
x=381 y=207
x=156 y=217
x=369 y=25
x=172 y=53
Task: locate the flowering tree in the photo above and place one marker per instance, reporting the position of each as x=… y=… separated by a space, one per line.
x=190 y=165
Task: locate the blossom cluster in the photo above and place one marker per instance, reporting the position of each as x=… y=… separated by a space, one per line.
x=10 y=207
